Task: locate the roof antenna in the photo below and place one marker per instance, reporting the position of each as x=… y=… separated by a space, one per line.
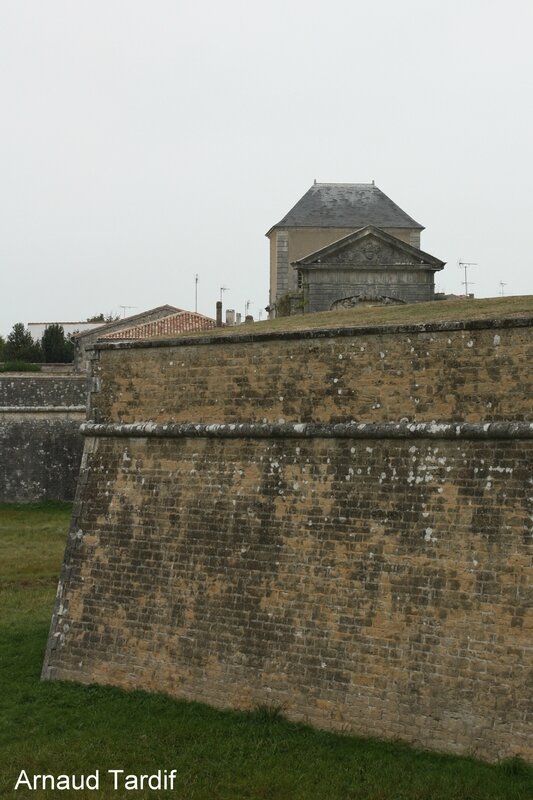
x=464 y=265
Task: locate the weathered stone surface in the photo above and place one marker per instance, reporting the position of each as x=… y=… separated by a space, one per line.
x=379 y=585
x=42 y=390
x=418 y=373
x=308 y=430
x=40 y=443
x=41 y=456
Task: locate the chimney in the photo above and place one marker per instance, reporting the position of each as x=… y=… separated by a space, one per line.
x=219 y=313
x=238 y=318
x=230 y=316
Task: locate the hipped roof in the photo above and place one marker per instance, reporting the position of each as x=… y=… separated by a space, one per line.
x=346 y=205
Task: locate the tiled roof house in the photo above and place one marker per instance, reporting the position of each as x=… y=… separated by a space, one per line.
x=85 y=340
x=173 y=325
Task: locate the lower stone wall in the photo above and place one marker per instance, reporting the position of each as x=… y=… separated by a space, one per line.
x=40 y=443
x=372 y=585
x=40 y=455
x=42 y=389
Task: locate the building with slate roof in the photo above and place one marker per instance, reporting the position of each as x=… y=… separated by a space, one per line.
x=317 y=262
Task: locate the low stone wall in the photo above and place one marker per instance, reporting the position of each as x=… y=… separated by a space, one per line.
x=335 y=523
x=42 y=390
x=40 y=417
x=41 y=456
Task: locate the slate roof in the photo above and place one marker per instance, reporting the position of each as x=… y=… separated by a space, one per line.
x=182 y=322
x=346 y=205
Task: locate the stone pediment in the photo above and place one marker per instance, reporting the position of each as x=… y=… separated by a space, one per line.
x=369 y=248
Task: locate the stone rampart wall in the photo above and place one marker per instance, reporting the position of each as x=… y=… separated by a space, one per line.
x=40 y=443
x=238 y=540
x=374 y=375
x=36 y=390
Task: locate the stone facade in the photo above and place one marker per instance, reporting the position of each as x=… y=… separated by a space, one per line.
x=366 y=263
x=238 y=540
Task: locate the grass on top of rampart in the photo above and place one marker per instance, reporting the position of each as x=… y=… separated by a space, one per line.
x=66 y=728
x=409 y=314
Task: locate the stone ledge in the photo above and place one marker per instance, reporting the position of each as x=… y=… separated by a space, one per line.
x=288 y=430
x=42 y=409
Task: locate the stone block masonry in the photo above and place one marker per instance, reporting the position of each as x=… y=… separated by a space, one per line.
x=440 y=372
x=229 y=545
x=42 y=390
x=40 y=443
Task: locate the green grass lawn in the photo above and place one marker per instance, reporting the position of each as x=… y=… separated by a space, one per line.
x=59 y=728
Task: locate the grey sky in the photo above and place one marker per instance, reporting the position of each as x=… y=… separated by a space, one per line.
x=142 y=142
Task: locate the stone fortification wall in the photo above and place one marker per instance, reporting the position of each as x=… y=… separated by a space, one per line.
x=449 y=372
x=41 y=446
x=238 y=540
x=41 y=390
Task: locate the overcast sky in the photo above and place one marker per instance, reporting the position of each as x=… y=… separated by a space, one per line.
x=144 y=142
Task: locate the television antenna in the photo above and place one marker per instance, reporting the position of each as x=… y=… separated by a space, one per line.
x=222 y=290
x=502 y=284
x=124 y=310
x=247 y=306
x=464 y=266
x=196 y=293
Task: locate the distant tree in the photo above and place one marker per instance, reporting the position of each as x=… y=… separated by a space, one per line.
x=109 y=317
x=20 y=345
x=2 y=346
x=57 y=349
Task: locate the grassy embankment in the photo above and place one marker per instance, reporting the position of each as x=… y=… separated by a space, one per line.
x=65 y=728
x=409 y=314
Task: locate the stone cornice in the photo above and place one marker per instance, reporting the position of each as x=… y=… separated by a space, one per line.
x=290 y=430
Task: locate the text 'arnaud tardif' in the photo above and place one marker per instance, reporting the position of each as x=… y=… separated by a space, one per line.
x=162 y=779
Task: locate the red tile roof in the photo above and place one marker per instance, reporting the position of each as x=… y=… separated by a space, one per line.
x=183 y=322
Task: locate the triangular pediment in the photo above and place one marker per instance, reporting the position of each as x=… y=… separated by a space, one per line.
x=367 y=248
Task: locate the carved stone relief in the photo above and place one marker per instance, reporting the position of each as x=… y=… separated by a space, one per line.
x=366 y=299
x=370 y=252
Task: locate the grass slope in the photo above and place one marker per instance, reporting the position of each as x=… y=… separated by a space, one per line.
x=409 y=314
x=60 y=728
